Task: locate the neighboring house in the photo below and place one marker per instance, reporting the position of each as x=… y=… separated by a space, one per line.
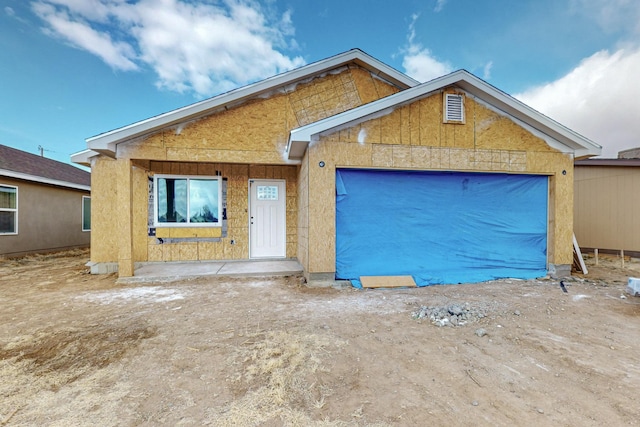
x=607 y=207
x=45 y=205
x=349 y=166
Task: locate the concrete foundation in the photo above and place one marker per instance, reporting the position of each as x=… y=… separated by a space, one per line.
x=559 y=271
x=103 y=267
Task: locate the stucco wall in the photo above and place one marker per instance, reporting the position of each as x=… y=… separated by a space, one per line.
x=414 y=137
x=49 y=219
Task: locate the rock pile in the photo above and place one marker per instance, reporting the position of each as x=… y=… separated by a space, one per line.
x=450 y=315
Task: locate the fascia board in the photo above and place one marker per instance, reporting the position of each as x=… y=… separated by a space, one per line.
x=106 y=142
x=83 y=157
x=313 y=130
x=521 y=111
x=498 y=100
x=42 y=180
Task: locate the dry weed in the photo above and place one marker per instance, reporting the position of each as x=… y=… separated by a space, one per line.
x=63 y=356
x=279 y=380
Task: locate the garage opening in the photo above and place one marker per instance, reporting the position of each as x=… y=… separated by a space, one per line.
x=440 y=227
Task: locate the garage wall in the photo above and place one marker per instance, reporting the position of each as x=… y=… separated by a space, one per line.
x=414 y=137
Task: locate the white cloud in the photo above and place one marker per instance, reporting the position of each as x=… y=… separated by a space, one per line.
x=9 y=11
x=418 y=61
x=439 y=5
x=119 y=55
x=205 y=47
x=598 y=99
x=610 y=15
x=486 y=72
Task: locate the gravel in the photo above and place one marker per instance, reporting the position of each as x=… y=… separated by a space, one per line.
x=453 y=314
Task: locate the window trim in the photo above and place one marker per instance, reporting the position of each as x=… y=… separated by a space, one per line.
x=186 y=224
x=15 y=211
x=83 y=199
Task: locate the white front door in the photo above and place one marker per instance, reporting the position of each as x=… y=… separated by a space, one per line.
x=267 y=218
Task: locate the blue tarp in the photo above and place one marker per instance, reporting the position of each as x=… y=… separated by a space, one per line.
x=440 y=227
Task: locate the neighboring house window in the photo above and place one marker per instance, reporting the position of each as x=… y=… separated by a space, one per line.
x=86 y=213
x=187 y=201
x=8 y=209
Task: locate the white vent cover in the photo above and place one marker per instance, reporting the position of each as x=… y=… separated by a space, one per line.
x=454 y=108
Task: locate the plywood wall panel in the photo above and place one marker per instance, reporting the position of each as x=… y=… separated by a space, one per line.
x=420 y=157
x=405 y=125
x=382 y=155
x=367 y=89
x=390 y=128
x=383 y=88
x=104 y=231
x=257 y=130
x=140 y=211
x=124 y=217
x=401 y=156
x=302 y=250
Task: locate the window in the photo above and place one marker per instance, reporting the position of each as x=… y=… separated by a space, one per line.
x=187 y=201
x=86 y=213
x=8 y=209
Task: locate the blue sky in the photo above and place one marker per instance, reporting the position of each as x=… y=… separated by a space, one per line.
x=71 y=69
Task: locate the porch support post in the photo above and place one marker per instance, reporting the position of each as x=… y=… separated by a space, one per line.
x=124 y=211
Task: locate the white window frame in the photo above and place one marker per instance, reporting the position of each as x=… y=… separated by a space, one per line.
x=15 y=211
x=83 y=199
x=186 y=224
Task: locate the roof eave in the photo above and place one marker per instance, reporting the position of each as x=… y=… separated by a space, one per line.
x=83 y=157
x=43 y=180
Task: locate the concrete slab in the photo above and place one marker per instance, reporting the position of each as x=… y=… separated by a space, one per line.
x=171 y=271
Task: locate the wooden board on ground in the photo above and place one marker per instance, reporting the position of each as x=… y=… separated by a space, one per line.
x=578 y=260
x=387 y=282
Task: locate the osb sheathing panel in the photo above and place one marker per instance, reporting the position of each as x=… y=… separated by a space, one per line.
x=321 y=214
x=115 y=241
x=140 y=212
x=303 y=213
x=415 y=137
x=104 y=230
x=256 y=133
x=257 y=130
x=237 y=213
x=124 y=217
x=371 y=88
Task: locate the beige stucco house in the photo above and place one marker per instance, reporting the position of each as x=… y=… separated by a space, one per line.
x=267 y=171
x=45 y=205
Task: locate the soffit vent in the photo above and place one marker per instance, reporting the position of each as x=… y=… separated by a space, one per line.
x=453 y=108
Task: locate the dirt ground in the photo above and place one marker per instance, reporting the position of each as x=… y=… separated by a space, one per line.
x=77 y=349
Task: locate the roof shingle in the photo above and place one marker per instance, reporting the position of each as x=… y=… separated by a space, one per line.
x=19 y=161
